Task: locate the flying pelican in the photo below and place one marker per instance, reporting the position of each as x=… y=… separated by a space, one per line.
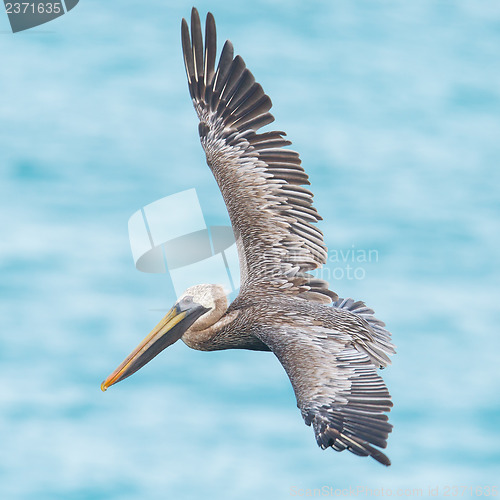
x=330 y=348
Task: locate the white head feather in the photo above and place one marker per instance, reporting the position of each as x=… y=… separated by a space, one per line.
x=213 y=297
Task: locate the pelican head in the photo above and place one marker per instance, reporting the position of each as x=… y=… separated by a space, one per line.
x=198 y=308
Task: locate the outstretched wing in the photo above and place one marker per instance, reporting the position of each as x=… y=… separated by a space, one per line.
x=337 y=387
x=261 y=181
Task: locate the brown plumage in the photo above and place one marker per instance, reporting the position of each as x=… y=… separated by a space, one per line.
x=330 y=348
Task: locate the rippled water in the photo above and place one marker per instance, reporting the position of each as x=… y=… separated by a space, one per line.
x=394 y=107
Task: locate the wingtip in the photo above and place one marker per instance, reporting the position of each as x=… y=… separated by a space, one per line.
x=381 y=458
x=228 y=46
x=376 y=454
x=195 y=15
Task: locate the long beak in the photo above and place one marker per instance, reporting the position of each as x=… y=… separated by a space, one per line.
x=169 y=330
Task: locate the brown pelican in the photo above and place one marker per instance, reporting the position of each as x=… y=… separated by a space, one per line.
x=330 y=348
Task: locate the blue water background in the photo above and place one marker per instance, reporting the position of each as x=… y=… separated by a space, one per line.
x=394 y=107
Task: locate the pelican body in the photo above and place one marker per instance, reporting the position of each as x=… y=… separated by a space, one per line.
x=331 y=348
